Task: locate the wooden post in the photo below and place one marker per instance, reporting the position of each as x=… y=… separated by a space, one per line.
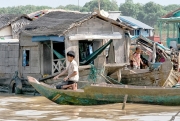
x=124 y=103
x=52 y=57
x=177 y=30
x=128 y=44
x=41 y=59
x=119 y=75
x=160 y=32
x=167 y=30
x=78 y=6
x=174 y=30
x=99 y=5
x=111 y=54
x=179 y=61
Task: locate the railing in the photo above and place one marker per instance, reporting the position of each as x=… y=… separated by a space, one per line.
x=58 y=65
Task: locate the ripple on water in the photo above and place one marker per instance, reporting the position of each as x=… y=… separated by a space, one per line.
x=89 y=119
x=31 y=108
x=33 y=112
x=147 y=117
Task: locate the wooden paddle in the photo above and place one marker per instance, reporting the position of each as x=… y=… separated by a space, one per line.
x=48 y=77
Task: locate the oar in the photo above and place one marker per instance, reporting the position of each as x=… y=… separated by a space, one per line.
x=49 y=77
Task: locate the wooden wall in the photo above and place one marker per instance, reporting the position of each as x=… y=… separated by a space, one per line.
x=72 y=46
x=9 y=55
x=6 y=32
x=46 y=60
x=96 y=26
x=34 y=68
x=34 y=62
x=27 y=41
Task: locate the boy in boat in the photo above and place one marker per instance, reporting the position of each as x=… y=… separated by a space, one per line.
x=136 y=58
x=73 y=74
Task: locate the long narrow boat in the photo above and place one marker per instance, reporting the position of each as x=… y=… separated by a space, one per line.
x=107 y=94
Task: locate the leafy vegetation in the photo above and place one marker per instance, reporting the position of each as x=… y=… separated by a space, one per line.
x=147 y=13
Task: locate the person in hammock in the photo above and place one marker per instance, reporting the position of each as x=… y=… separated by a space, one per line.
x=73 y=73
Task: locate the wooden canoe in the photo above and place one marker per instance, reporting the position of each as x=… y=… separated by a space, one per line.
x=164 y=76
x=107 y=94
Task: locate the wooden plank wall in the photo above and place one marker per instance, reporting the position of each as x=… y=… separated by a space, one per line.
x=111 y=56
x=46 y=60
x=34 y=64
x=27 y=41
x=9 y=55
x=98 y=26
x=72 y=46
x=95 y=26
x=96 y=45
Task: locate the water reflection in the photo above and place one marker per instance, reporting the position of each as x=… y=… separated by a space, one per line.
x=29 y=108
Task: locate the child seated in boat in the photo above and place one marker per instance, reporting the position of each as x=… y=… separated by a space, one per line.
x=136 y=58
x=73 y=73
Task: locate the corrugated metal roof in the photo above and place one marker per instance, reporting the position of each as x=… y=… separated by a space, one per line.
x=170 y=14
x=134 y=23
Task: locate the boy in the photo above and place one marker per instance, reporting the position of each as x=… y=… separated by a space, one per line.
x=73 y=74
x=136 y=58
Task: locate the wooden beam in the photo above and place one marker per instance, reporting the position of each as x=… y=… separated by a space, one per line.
x=177 y=30
x=119 y=75
x=41 y=58
x=174 y=30
x=92 y=37
x=124 y=102
x=167 y=30
x=160 y=31
x=52 y=56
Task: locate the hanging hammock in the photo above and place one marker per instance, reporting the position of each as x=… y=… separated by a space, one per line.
x=94 y=55
x=59 y=56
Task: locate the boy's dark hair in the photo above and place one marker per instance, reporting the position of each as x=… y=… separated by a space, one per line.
x=71 y=54
x=170 y=47
x=137 y=48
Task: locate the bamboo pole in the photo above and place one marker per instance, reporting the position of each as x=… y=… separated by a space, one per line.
x=174 y=30
x=124 y=103
x=52 y=58
x=167 y=30
x=160 y=32
x=99 y=6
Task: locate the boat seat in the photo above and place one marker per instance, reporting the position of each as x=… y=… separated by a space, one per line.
x=135 y=71
x=78 y=90
x=139 y=71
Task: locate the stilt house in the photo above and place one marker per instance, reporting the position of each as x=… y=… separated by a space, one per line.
x=45 y=42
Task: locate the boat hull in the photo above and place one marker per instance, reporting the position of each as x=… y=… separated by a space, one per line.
x=108 y=94
x=164 y=76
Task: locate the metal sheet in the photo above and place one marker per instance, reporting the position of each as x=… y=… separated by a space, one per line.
x=47 y=38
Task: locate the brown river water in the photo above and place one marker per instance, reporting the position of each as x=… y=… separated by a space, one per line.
x=38 y=108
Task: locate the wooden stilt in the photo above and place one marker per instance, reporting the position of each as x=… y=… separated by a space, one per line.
x=125 y=100
x=119 y=75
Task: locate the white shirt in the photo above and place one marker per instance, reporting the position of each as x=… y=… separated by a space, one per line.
x=73 y=66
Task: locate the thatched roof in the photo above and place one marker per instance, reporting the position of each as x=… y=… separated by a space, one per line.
x=58 y=22
x=52 y=23
x=7 y=19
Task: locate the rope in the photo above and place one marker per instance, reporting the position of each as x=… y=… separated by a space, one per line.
x=173 y=117
x=114 y=80
x=94 y=73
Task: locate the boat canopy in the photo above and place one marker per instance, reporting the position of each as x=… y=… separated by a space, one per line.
x=47 y=38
